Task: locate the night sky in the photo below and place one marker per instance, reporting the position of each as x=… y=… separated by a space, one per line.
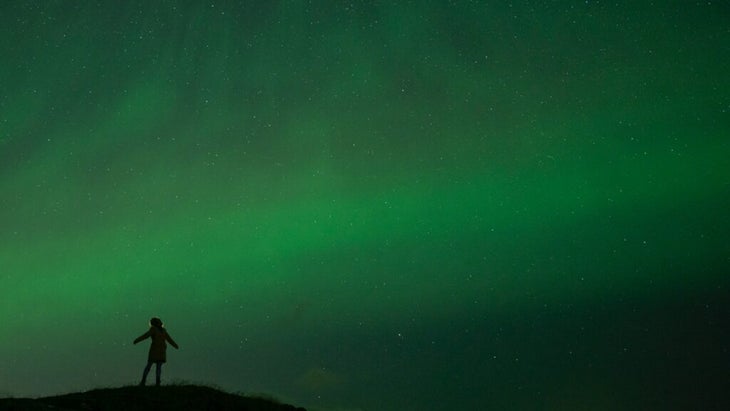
x=370 y=205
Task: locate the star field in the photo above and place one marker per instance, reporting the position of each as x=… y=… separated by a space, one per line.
x=369 y=205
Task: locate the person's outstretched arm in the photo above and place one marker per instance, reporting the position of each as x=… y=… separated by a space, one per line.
x=170 y=340
x=142 y=337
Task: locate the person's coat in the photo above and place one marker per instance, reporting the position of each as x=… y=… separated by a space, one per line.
x=158 y=348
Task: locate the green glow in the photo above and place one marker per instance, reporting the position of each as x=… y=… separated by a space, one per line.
x=386 y=192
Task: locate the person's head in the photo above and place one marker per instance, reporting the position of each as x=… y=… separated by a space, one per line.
x=156 y=322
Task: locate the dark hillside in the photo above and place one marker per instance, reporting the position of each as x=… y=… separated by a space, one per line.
x=165 y=398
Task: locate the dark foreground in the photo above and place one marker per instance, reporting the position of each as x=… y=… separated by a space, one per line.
x=174 y=397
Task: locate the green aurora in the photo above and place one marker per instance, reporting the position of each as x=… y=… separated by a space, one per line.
x=370 y=205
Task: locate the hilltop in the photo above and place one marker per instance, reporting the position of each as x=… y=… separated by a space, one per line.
x=132 y=398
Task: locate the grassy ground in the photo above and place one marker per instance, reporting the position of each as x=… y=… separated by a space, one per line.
x=132 y=398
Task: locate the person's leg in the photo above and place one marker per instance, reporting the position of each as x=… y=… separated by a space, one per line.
x=144 y=374
x=159 y=373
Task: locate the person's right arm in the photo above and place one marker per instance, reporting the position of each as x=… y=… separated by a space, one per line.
x=171 y=341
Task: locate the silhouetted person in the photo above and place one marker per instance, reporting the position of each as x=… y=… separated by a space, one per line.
x=158 y=348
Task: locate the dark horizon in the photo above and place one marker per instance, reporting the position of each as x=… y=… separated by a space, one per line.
x=136 y=398
x=369 y=205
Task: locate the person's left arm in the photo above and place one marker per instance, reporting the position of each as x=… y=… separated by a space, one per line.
x=142 y=337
